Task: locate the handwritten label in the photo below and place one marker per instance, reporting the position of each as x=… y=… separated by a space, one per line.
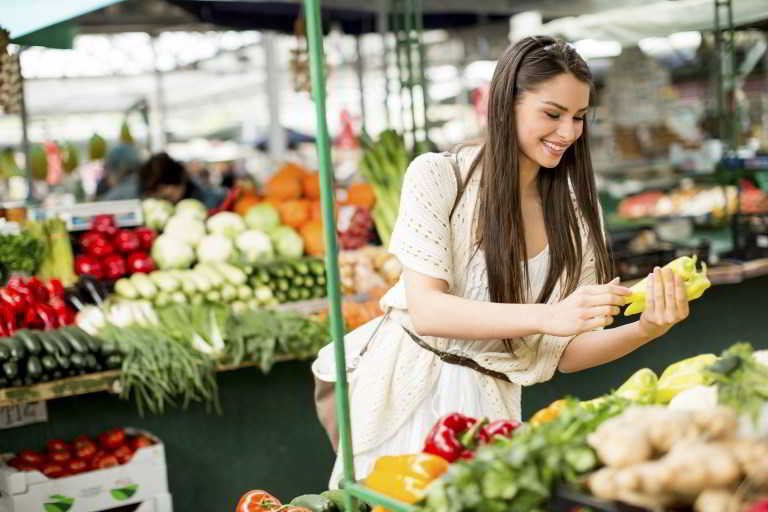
x=23 y=414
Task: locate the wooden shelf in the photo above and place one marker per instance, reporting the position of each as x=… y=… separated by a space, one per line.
x=96 y=382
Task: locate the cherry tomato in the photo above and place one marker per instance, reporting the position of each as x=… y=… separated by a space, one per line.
x=57 y=445
x=31 y=457
x=141 y=442
x=52 y=470
x=123 y=454
x=103 y=461
x=75 y=466
x=112 y=438
x=85 y=449
x=59 y=457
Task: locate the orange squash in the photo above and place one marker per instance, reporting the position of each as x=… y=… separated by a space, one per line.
x=294 y=213
x=245 y=203
x=292 y=170
x=361 y=194
x=283 y=187
x=312 y=234
x=311 y=185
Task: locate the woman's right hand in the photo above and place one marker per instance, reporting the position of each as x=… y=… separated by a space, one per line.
x=586 y=309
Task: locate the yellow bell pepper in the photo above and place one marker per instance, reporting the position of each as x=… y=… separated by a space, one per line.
x=695 y=281
x=405 y=477
x=548 y=414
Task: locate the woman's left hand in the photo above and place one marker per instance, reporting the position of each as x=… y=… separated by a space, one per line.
x=666 y=304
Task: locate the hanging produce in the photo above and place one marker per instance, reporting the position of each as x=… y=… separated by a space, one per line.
x=97 y=147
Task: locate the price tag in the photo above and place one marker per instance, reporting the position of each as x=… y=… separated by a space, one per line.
x=23 y=414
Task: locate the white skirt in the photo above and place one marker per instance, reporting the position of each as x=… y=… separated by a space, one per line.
x=452 y=388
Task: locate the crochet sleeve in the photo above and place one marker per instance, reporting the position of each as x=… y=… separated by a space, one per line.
x=421 y=238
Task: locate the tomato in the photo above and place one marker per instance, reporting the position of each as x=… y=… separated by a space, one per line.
x=103 y=461
x=75 y=466
x=123 y=454
x=52 y=470
x=57 y=445
x=141 y=442
x=112 y=438
x=60 y=456
x=81 y=438
x=31 y=457
x=257 y=501
x=85 y=449
x=20 y=465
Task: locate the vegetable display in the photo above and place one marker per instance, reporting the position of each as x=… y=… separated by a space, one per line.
x=32 y=304
x=83 y=454
x=57 y=257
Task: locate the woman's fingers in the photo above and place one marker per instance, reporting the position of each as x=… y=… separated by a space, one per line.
x=612 y=288
x=603 y=299
x=658 y=291
x=670 y=293
x=598 y=321
x=681 y=299
x=602 y=310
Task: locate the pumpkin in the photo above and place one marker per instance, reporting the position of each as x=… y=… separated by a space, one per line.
x=294 y=213
x=316 y=210
x=245 y=203
x=311 y=185
x=283 y=187
x=312 y=234
x=292 y=170
x=361 y=194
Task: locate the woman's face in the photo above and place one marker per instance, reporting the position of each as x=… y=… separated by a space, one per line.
x=550 y=118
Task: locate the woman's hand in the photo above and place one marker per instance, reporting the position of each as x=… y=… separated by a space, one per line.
x=586 y=309
x=666 y=304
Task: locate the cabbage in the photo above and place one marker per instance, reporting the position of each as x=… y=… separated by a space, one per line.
x=186 y=229
x=215 y=248
x=169 y=252
x=263 y=217
x=227 y=224
x=287 y=242
x=191 y=208
x=156 y=213
x=255 y=246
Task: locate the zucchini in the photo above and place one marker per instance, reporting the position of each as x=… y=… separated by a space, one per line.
x=31 y=343
x=62 y=360
x=49 y=345
x=78 y=361
x=77 y=346
x=293 y=294
x=92 y=363
x=34 y=367
x=63 y=346
x=114 y=361
x=92 y=342
x=5 y=352
x=108 y=348
x=49 y=363
x=11 y=369
x=18 y=351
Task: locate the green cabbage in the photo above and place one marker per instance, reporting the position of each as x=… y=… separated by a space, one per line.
x=191 y=208
x=186 y=229
x=288 y=243
x=215 y=248
x=169 y=252
x=263 y=217
x=255 y=246
x=226 y=223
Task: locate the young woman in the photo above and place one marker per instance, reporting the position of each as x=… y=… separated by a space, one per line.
x=506 y=267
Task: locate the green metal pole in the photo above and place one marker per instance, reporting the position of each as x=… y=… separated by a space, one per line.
x=317 y=70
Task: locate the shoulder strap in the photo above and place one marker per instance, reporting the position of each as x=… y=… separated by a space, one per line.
x=453 y=158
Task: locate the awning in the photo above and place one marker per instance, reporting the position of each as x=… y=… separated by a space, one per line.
x=631 y=24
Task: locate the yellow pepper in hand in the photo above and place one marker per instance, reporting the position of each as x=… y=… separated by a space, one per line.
x=696 y=283
x=405 y=477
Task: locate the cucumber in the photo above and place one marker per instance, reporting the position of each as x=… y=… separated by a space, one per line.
x=305 y=294
x=11 y=369
x=5 y=352
x=92 y=342
x=319 y=291
x=301 y=267
x=288 y=271
x=63 y=360
x=78 y=361
x=320 y=280
x=77 y=345
x=283 y=285
x=108 y=348
x=63 y=346
x=18 y=351
x=281 y=297
x=297 y=282
x=309 y=282
x=114 y=361
x=49 y=345
x=31 y=343
x=317 y=267
x=92 y=363
x=34 y=367
x=49 y=363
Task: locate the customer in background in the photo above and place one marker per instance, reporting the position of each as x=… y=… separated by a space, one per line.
x=163 y=177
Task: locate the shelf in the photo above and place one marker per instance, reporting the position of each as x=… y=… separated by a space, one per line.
x=95 y=383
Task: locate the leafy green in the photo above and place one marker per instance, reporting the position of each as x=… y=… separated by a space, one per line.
x=518 y=474
x=742 y=382
x=20 y=253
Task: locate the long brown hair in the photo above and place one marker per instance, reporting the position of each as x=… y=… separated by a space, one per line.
x=522 y=67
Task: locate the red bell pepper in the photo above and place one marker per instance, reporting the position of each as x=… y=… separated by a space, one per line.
x=86 y=265
x=55 y=288
x=41 y=316
x=101 y=247
x=104 y=224
x=114 y=267
x=454 y=437
x=126 y=241
x=503 y=428
x=7 y=319
x=146 y=238
x=37 y=290
x=140 y=262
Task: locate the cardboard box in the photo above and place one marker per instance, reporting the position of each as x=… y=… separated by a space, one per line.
x=142 y=480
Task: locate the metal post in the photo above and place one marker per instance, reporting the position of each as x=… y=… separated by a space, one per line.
x=24 y=115
x=408 y=14
x=158 y=126
x=382 y=21
x=317 y=70
x=419 y=18
x=276 y=136
x=360 y=79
